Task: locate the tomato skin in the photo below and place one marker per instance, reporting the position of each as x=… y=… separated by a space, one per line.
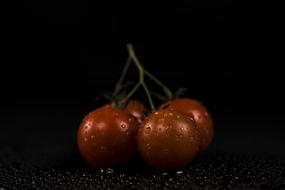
x=168 y=140
x=201 y=116
x=107 y=137
x=137 y=109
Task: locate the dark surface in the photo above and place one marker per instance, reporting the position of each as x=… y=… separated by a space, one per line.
x=217 y=170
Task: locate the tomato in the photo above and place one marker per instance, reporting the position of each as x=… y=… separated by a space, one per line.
x=201 y=116
x=137 y=109
x=107 y=137
x=168 y=140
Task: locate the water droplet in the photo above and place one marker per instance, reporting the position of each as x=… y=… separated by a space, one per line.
x=87 y=125
x=92 y=137
x=164 y=173
x=148 y=146
x=109 y=170
x=103 y=148
x=155 y=113
x=101 y=170
x=147 y=130
x=178 y=116
x=123 y=126
x=85 y=139
x=179 y=172
x=130 y=119
x=171 y=114
x=179 y=137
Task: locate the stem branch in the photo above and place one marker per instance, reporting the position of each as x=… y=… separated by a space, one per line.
x=166 y=90
x=122 y=77
x=141 y=73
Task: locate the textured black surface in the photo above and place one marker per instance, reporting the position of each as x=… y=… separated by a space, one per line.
x=217 y=170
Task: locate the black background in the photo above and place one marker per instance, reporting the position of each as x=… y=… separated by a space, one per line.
x=56 y=57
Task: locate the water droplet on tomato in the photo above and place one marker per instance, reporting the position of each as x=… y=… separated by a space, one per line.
x=148 y=146
x=103 y=148
x=179 y=137
x=147 y=130
x=123 y=125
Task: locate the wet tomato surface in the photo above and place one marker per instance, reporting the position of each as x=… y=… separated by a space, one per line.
x=201 y=116
x=107 y=137
x=168 y=140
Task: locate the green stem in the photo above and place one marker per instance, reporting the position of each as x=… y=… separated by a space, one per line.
x=141 y=73
x=148 y=97
x=122 y=77
x=132 y=91
x=166 y=90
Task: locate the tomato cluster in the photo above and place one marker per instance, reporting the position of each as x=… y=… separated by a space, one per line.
x=168 y=138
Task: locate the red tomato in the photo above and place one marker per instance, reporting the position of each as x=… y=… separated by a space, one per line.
x=201 y=116
x=107 y=137
x=168 y=140
x=137 y=109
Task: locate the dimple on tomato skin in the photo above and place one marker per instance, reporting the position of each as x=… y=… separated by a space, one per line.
x=107 y=137
x=200 y=115
x=168 y=140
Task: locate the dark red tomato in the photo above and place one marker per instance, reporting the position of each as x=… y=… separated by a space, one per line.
x=137 y=109
x=168 y=140
x=201 y=116
x=107 y=137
